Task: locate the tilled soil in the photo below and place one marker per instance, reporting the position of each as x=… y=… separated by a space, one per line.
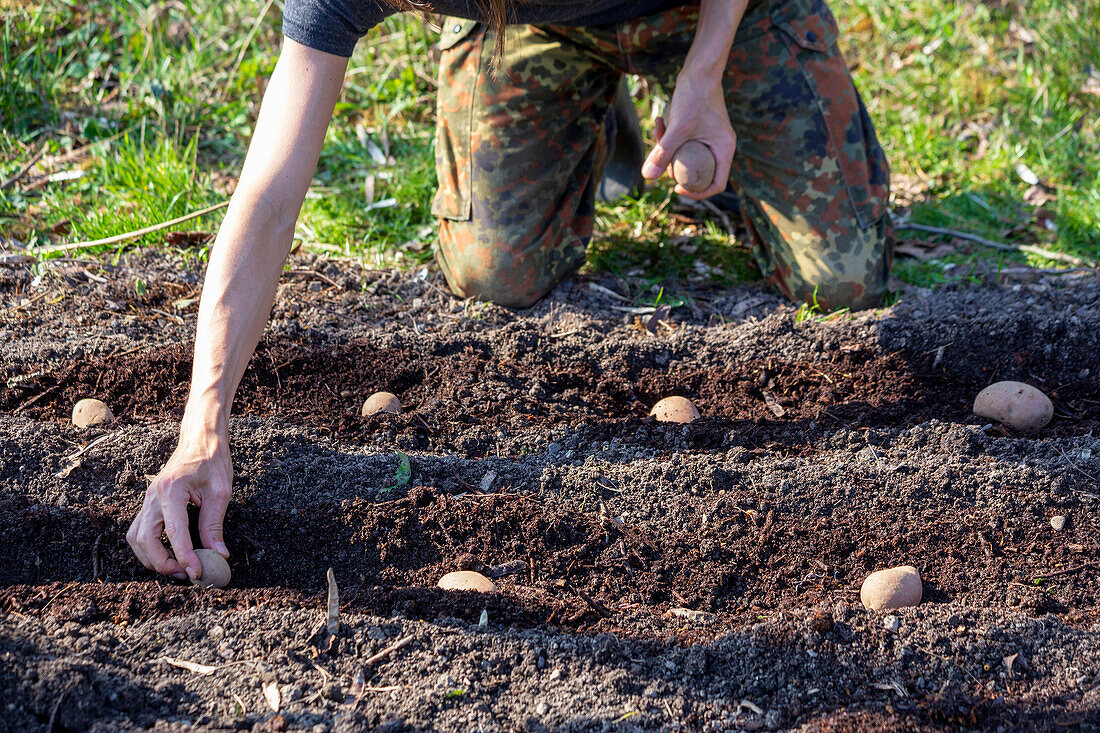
x=652 y=576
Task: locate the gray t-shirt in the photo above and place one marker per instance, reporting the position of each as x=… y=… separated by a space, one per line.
x=334 y=26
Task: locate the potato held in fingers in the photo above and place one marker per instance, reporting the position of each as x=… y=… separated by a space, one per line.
x=693 y=166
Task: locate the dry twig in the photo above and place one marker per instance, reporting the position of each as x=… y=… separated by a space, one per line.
x=22 y=172
x=1029 y=248
x=129 y=235
x=396 y=646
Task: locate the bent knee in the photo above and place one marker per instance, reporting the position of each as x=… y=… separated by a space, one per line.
x=853 y=273
x=515 y=274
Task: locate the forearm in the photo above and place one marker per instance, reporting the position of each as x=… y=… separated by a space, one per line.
x=255 y=238
x=709 y=54
x=244 y=269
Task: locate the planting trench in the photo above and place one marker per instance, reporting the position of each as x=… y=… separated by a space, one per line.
x=652 y=576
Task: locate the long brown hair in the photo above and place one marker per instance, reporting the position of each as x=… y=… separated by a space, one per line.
x=496 y=13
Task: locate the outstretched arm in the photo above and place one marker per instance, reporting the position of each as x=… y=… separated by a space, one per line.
x=698 y=107
x=245 y=264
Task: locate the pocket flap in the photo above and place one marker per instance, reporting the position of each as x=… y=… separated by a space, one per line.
x=809 y=24
x=454 y=31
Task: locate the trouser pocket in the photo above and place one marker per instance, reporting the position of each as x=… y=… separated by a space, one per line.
x=811 y=34
x=460 y=74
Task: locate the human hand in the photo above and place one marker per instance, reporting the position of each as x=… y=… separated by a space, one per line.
x=697 y=112
x=199 y=472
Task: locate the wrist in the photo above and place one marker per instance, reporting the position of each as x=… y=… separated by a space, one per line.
x=701 y=72
x=205 y=415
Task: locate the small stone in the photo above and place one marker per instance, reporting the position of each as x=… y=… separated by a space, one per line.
x=820 y=621
x=891 y=623
x=89 y=412
x=553 y=449
x=332 y=691
x=467 y=580
x=1058 y=523
x=887 y=590
x=381 y=402
x=542 y=708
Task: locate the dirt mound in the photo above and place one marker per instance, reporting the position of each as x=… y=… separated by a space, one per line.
x=653 y=576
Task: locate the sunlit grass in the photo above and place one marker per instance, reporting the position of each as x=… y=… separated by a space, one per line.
x=963 y=95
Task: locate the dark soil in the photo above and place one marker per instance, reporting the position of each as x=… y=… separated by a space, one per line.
x=652 y=576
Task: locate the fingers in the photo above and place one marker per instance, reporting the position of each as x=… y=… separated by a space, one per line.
x=211 y=517
x=659 y=158
x=144 y=539
x=175 y=526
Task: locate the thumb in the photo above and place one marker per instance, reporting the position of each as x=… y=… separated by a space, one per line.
x=211 y=518
x=659 y=159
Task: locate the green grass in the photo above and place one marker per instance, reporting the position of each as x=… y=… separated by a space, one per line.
x=963 y=94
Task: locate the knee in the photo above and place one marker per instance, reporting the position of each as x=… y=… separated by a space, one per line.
x=494 y=284
x=832 y=294
x=511 y=272
x=853 y=273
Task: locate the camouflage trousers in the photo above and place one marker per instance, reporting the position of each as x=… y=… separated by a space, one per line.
x=519 y=152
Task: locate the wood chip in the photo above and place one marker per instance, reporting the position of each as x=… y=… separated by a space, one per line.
x=692 y=615
x=396 y=646
x=271 y=694
x=773 y=405
x=203 y=669
x=333 y=623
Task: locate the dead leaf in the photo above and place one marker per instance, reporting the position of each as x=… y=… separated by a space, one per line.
x=924 y=251
x=188 y=240
x=271 y=694
x=76 y=460
x=333 y=625
x=204 y=669
x=692 y=614
x=661 y=314
x=750 y=705
x=1027 y=175
x=773 y=405
x=1021 y=34
x=1039 y=195
x=8 y=259
x=1009 y=661
x=891 y=686
x=1092 y=84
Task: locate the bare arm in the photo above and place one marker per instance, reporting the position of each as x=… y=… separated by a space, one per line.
x=245 y=264
x=698 y=107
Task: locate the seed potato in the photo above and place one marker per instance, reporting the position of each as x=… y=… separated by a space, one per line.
x=215 y=570
x=467 y=580
x=693 y=166
x=675 y=409
x=89 y=412
x=381 y=402
x=887 y=590
x=1015 y=404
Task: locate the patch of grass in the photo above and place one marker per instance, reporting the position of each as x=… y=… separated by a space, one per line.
x=967 y=98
